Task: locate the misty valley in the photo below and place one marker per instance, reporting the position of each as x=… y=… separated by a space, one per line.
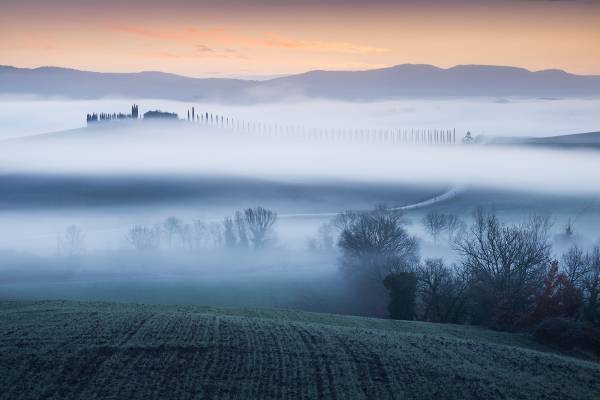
x=152 y=211
x=318 y=218
x=281 y=200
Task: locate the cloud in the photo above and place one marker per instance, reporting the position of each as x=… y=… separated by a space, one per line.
x=187 y=35
x=148 y=33
x=222 y=35
x=341 y=47
x=28 y=45
x=199 y=51
x=200 y=48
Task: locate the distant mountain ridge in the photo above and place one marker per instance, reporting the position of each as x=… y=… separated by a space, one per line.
x=54 y=81
x=406 y=80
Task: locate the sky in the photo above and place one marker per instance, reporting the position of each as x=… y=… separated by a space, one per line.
x=235 y=38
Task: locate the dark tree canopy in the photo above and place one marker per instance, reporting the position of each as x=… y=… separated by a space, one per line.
x=403 y=289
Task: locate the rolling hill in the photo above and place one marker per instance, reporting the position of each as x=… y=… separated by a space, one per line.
x=583 y=140
x=406 y=80
x=587 y=140
x=67 y=350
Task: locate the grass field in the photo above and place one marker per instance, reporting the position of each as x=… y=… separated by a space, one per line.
x=86 y=350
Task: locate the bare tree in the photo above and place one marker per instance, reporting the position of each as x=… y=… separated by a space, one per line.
x=505 y=261
x=184 y=237
x=324 y=241
x=443 y=291
x=591 y=287
x=576 y=265
x=242 y=230
x=454 y=225
x=229 y=236
x=143 y=238
x=260 y=222
x=171 y=226
x=375 y=244
x=198 y=233
x=72 y=243
x=216 y=233
x=434 y=223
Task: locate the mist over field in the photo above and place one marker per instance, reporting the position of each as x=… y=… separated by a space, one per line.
x=109 y=178
x=491 y=116
x=271 y=200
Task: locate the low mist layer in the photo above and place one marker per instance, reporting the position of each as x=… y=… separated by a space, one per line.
x=71 y=200
x=487 y=116
x=188 y=149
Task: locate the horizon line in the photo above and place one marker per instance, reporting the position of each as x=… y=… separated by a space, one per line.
x=248 y=77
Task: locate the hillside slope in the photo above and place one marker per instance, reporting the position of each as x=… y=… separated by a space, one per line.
x=70 y=350
x=587 y=140
x=581 y=140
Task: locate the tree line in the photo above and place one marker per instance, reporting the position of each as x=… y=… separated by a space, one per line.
x=251 y=228
x=95 y=117
x=505 y=277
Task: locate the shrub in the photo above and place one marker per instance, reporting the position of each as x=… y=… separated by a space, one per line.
x=557 y=298
x=568 y=335
x=403 y=288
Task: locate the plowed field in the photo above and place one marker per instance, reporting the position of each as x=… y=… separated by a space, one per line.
x=68 y=350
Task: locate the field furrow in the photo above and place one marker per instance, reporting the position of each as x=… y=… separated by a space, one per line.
x=70 y=350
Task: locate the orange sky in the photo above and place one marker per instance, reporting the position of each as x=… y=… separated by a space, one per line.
x=267 y=37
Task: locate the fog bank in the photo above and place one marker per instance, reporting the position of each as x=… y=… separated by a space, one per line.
x=186 y=149
x=489 y=116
